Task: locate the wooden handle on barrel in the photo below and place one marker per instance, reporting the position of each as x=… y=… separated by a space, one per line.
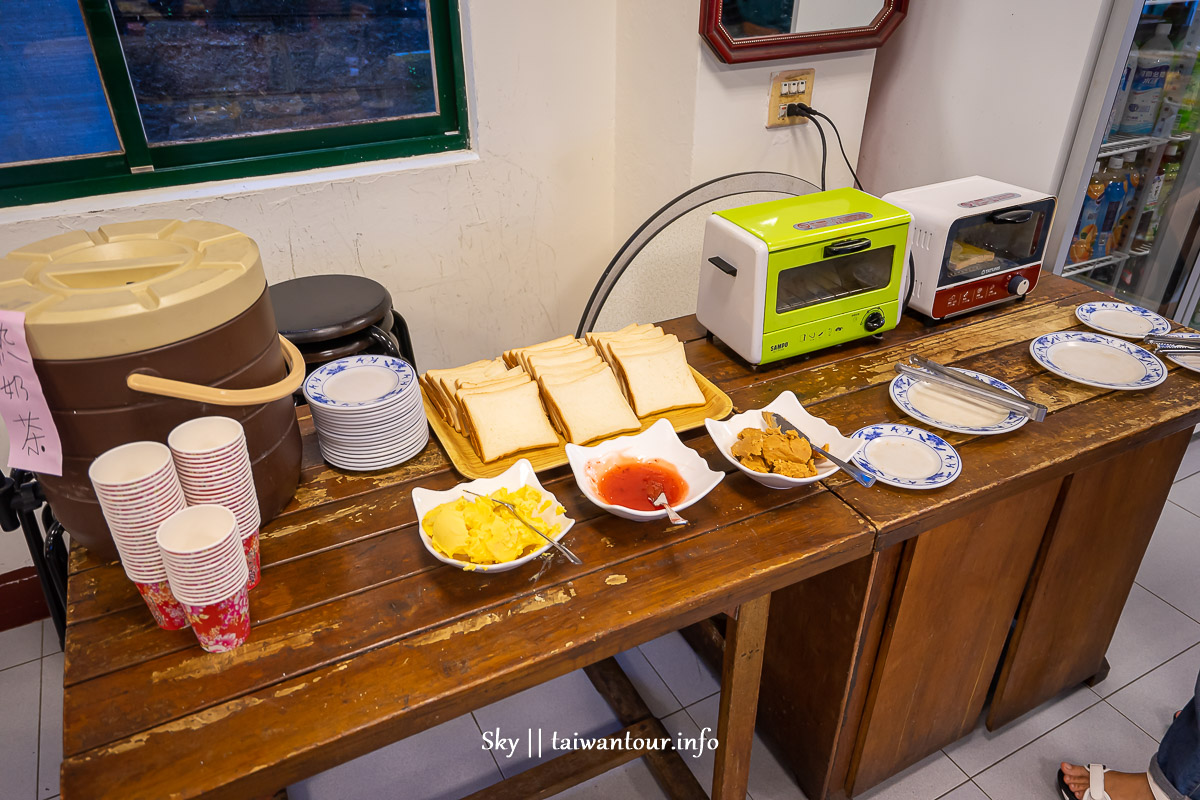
x=181 y=390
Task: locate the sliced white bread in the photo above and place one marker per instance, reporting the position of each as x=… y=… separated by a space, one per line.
x=507 y=421
x=494 y=385
x=524 y=356
x=591 y=406
x=437 y=391
x=659 y=381
x=511 y=357
x=539 y=364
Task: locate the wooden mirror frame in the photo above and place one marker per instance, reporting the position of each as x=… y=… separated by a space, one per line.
x=790 y=45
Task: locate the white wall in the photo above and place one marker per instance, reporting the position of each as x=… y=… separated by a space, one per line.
x=969 y=87
x=585 y=117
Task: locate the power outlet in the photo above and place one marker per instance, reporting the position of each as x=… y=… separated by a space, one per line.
x=791 y=86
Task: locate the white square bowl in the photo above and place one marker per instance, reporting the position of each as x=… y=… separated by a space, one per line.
x=658 y=441
x=518 y=475
x=787 y=406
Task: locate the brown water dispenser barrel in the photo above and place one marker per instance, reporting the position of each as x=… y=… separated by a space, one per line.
x=137 y=327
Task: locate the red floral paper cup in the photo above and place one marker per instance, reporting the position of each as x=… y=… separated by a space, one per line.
x=166 y=610
x=250 y=546
x=224 y=625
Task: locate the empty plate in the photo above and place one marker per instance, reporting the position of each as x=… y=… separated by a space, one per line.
x=1094 y=359
x=1121 y=319
x=907 y=457
x=951 y=411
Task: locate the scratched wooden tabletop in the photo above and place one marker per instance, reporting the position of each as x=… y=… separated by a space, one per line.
x=361 y=638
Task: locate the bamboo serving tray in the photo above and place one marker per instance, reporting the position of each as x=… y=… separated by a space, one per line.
x=716 y=406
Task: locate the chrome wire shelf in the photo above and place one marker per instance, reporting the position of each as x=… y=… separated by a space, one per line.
x=1123 y=143
x=1093 y=264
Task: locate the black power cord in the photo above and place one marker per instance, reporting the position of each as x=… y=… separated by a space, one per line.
x=805 y=110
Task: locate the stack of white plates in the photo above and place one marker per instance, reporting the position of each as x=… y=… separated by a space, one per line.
x=367 y=411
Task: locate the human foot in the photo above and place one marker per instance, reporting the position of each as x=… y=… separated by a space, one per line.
x=1117 y=785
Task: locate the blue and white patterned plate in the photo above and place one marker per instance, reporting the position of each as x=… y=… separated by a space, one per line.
x=1094 y=359
x=1186 y=360
x=360 y=382
x=902 y=393
x=1121 y=319
x=907 y=457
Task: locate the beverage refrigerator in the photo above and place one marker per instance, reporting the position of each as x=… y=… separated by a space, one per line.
x=1129 y=201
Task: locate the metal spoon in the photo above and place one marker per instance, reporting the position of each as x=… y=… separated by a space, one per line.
x=661 y=501
x=562 y=548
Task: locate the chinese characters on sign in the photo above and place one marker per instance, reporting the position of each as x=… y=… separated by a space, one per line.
x=32 y=436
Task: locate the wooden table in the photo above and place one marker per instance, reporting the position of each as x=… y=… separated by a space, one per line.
x=361 y=638
x=1041 y=535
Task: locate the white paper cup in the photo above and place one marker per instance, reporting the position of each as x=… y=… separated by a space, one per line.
x=133 y=464
x=202 y=437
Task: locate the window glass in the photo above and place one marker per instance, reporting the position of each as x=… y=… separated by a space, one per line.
x=832 y=278
x=52 y=104
x=210 y=69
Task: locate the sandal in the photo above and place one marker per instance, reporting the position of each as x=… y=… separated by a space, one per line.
x=1095 y=790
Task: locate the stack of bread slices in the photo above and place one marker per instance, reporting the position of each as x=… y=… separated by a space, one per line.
x=583 y=390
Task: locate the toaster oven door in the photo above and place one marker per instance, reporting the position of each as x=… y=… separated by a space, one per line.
x=824 y=280
x=997 y=241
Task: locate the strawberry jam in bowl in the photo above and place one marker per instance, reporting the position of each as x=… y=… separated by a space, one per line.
x=620 y=475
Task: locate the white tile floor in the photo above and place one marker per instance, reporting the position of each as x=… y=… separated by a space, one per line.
x=1155 y=655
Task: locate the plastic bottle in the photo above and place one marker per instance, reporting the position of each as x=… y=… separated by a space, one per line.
x=1144 y=236
x=1133 y=182
x=1170 y=172
x=1110 y=204
x=1154 y=62
x=1085 y=232
x=1122 y=98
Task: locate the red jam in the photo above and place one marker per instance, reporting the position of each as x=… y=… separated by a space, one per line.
x=633 y=484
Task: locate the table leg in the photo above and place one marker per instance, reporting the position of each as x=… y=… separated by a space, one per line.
x=745 y=634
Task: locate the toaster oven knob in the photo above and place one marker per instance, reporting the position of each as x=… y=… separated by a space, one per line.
x=874 y=321
x=1018 y=285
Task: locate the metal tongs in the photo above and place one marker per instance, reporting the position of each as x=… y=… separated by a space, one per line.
x=932 y=372
x=1173 y=343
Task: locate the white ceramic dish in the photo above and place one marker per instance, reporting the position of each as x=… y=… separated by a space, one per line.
x=1121 y=319
x=943 y=408
x=787 y=406
x=658 y=441
x=907 y=457
x=1095 y=359
x=518 y=475
x=1186 y=360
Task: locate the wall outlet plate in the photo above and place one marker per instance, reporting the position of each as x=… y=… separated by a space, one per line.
x=789 y=86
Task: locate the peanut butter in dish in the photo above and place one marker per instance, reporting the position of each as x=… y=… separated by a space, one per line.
x=774 y=451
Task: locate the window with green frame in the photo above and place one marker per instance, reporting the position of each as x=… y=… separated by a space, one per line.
x=101 y=96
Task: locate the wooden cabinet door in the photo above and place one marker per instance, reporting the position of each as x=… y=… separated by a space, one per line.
x=1083 y=575
x=957 y=591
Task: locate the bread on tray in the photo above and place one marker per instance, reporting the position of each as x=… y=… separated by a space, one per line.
x=584 y=389
x=507 y=421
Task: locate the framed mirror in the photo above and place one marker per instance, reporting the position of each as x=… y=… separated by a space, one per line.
x=760 y=30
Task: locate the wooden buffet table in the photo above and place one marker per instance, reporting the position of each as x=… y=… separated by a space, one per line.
x=889 y=614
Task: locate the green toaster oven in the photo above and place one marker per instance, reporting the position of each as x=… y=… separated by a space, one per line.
x=787 y=277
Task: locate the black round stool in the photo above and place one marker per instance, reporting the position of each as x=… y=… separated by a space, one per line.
x=332 y=316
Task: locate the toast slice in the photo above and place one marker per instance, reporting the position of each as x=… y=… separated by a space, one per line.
x=659 y=381
x=507 y=421
x=437 y=392
x=591 y=406
x=494 y=385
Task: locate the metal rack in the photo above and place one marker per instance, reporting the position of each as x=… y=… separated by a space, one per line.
x=1119 y=144
x=1092 y=264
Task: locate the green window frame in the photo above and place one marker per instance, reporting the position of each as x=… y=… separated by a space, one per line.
x=141 y=166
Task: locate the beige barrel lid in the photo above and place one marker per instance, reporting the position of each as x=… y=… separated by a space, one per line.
x=129 y=286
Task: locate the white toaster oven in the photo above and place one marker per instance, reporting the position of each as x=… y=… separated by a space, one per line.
x=975 y=242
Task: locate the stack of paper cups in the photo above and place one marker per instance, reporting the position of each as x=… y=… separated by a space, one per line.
x=202 y=552
x=214 y=467
x=138 y=489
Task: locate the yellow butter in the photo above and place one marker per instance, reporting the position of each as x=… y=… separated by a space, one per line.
x=481 y=532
